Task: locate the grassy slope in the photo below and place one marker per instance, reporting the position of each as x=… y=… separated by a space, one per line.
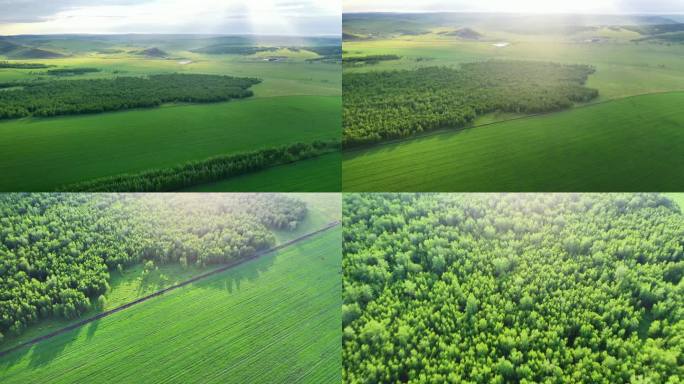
x=130 y=285
x=321 y=174
x=275 y=319
x=42 y=154
x=631 y=144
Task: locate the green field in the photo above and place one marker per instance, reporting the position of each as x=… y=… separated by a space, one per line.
x=320 y=174
x=274 y=319
x=297 y=101
x=43 y=154
x=562 y=154
x=631 y=144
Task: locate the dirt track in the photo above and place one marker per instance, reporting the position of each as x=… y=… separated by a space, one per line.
x=167 y=289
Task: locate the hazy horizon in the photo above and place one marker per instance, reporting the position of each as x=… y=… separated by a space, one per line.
x=580 y=7
x=298 y=18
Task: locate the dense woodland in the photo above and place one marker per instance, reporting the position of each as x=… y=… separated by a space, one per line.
x=71 y=71
x=205 y=171
x=15 y=65
x=57 y=251
x=516 y=288
x=69 y=97
x=370 y=59
x=381 y=105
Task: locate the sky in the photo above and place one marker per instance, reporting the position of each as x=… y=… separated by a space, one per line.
x=518 y=6
x=264 y=17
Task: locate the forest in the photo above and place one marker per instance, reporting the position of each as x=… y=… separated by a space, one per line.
x=205 y=171
x=71 y=71
x=381 y=105
x=70 y=97
x=516 y=288
x=370 y=59
x=57 y=251
x=14 y=65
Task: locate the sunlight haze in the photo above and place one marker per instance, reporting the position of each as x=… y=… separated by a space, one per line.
x=265 y=17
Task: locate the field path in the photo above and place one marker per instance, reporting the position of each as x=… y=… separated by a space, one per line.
x=168 y=289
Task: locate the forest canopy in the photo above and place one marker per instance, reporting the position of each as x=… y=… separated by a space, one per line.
x=519 y=288
x=57 y=251
x=69 y=97
x=381 y=105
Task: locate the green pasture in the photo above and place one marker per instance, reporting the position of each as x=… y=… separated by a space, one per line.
x=43 y=154
x=274 y=319
x=319 y=174
x=630 y=144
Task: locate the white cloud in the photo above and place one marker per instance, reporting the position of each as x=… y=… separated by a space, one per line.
x=290 y=17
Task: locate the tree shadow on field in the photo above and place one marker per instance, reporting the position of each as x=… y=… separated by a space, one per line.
x=41 y=353
x=232 y=279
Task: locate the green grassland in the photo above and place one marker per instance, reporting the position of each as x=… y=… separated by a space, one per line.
x=677 y=198
x=297 y=101
x=274 y=319
x=43 y=154
x=133 y=283
x=631 y=144
x=320 y=174
x=486 y=161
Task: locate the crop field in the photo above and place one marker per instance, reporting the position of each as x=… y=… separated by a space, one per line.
x=624 y=67
x=296 y=101
x=44 y=154
x=274 y=319
x=320 y=174
x=631 y=144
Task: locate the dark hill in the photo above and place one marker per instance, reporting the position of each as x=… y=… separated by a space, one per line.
x=6 y=46
x=153 y=52
x=465 y=33
x=353 y=37
x=35 y=53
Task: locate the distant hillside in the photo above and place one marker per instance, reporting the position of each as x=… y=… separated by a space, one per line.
x=346 y=36
x=465 y=33
x=17 y=51
x=153 y=52
x=6 y=46
x=655 y=29
x=673 y=37
x=34 y=53
x=229 y=49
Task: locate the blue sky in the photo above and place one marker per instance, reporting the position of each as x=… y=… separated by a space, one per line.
x=273 y=17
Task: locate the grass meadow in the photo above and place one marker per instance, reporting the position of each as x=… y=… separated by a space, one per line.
x=273 y=319
x=631 y=144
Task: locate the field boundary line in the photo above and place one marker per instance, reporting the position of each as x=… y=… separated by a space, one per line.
x=160 y=292
x=356 y=150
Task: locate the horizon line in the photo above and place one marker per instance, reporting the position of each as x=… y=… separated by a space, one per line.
x=681 y=13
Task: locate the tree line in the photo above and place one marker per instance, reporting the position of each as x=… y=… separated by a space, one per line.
x=71 y=71
x=381 y=105
x=69 y=97
x=204 y=171
x=513 y=288
x=57 y=251
x=15 y=65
